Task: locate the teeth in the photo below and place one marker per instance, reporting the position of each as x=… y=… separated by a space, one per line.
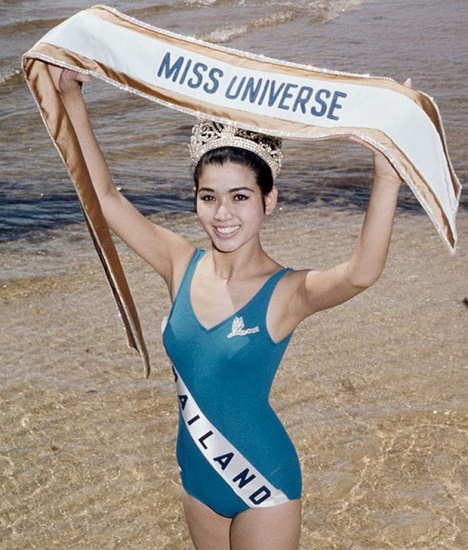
x=227 y=230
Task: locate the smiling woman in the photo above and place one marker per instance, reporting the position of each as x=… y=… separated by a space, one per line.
x=241 y=462
x=234 y=182
x=234 y=312
x=231 y=205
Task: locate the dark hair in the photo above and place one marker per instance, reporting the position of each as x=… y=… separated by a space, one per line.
x=221 y=155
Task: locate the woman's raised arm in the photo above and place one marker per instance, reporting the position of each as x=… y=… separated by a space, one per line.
x=167 y=252
x=329 y=288
x=312 y=291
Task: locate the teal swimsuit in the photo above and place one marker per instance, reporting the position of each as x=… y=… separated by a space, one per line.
x=233 y=452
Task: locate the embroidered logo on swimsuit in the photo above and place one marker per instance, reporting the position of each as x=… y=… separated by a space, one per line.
x=238 y=329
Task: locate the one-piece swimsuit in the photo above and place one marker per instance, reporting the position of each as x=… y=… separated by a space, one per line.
x=232 y=450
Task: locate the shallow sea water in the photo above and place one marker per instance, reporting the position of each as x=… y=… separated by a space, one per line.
x=394 y=39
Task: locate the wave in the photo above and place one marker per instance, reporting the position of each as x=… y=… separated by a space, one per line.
x=225 y=34
x=278 y=12
x=332 y=7
x=10 y=74
x=148 y=13
x=28 y=27
x=202 y=2
x=321 y=10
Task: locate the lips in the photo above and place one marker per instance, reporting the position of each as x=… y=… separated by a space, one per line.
x=226 y=231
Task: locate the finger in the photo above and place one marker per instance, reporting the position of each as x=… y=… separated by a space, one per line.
x=356 y=139
x=408 y=83
x=360 y=140
x=83 y=78
x=75 y=75
x=56 y=74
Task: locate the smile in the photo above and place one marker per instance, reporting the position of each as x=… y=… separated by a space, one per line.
x=227 y=230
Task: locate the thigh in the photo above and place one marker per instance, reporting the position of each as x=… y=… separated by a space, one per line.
x=275 y=528
x=209 y=530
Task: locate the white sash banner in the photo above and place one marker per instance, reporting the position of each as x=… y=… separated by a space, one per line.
x=275 y=97
x=247 y=482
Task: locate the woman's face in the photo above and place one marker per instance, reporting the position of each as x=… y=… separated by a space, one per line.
x=230 y=205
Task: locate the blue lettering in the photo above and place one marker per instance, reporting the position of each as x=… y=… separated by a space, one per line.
x=196 y=82
x=274 y=94
x=214 y=74
x=234 y=95
x=171 y=71
x=303 y=97
x=243 y=479
x=252 y=90
x=186 y=70
x=265 y=90
x=183 y=401
x=335 y=105
x=224 y=460
x=321 y=102
x=286 y=95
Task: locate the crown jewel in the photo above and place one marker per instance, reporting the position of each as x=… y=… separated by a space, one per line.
x=208 y=135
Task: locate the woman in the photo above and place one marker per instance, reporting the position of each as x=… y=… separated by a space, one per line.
x=234 y=311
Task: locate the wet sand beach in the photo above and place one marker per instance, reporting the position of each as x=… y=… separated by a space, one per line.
x=373 y=393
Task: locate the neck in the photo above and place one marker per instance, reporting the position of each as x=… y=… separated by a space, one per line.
x=238 y=264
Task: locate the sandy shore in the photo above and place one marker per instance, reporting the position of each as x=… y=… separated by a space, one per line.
x=374 y=395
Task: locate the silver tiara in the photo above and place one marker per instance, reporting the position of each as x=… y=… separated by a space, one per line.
x=208 y=135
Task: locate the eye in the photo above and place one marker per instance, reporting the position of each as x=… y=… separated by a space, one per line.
x=206 y=198
x=240 y=197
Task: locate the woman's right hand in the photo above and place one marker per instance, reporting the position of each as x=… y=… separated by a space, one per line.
x=66 y=80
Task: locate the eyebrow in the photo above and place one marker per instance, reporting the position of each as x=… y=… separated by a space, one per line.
x=233 y=190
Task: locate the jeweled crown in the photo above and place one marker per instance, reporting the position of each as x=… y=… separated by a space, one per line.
x=208 y=135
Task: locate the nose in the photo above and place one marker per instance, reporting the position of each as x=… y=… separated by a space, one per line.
x=223 y=213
